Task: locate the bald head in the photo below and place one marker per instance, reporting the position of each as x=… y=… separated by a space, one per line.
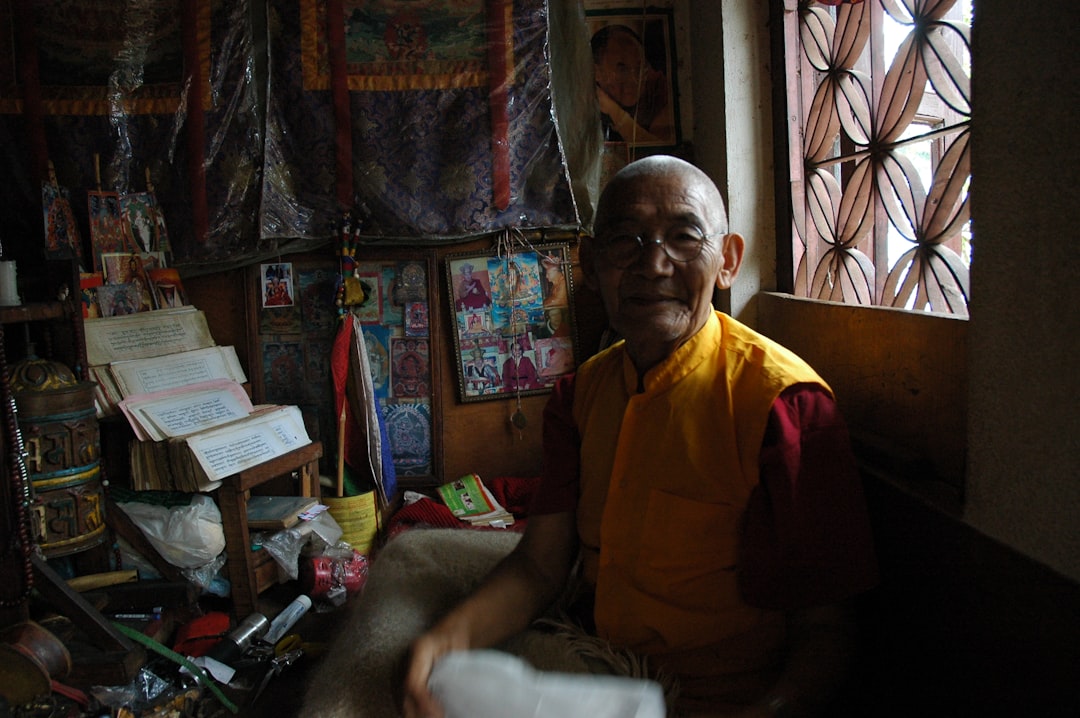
x=653 y=168
x=660 y=248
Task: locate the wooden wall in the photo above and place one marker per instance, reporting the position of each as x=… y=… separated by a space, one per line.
x=476 y=436
x=899 y=378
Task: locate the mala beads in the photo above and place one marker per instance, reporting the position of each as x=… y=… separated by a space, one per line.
x=20 y=539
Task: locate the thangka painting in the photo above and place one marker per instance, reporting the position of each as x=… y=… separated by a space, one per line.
x=434 y=118
x=513 y=320
x=180 y=102
x=294 y=342
x=408 y=426
x=451 y=133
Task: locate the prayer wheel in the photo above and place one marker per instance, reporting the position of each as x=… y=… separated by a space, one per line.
x=59 y=427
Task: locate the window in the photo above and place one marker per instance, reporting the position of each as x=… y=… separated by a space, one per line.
x=878 y=117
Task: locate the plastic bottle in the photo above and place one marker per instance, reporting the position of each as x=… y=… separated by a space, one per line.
x=287 y=619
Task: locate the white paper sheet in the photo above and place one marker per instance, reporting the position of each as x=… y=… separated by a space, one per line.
x=492 y=684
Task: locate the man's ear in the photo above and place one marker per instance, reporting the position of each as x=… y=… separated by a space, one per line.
x=731 y=254
x=588 y=264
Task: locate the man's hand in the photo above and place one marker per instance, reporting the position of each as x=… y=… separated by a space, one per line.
x=520 y=587
x=426 y=650
x=608 y=105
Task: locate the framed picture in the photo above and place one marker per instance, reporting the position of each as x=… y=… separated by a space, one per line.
x=635 y=73
x=513 y=321
x=277 y=284
x=130 y=268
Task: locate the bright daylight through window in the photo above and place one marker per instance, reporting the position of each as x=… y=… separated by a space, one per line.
x=879 y=113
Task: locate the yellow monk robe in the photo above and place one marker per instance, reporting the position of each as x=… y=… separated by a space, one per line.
x=666 y=475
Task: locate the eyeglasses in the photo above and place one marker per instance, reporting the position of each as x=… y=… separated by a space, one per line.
x=680 y=244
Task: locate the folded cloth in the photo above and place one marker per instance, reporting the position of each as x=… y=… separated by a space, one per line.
x=486 y=684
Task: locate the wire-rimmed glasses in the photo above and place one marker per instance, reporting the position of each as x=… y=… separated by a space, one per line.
x=680 y=244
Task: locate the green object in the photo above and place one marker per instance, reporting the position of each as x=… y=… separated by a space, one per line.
x=355 y=485
x=199 y=673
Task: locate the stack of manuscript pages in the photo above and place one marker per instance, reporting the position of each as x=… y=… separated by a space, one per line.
x=183 y=395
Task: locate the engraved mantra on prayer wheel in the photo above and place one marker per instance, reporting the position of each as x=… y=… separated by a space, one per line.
x=60 y=434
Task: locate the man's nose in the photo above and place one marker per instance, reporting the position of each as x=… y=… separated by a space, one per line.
x=653 y=257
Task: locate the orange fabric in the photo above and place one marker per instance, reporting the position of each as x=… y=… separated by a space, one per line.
x=665 y=477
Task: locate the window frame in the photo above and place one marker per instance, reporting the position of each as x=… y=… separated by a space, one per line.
x=791 y=169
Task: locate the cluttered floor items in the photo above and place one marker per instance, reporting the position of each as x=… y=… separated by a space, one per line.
x=188 y=653
x=212 y=668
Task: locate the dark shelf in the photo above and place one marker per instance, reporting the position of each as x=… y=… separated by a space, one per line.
x=31 y=312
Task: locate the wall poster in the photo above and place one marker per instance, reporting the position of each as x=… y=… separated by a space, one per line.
x=635 y=71
x=291 y=361
x=514 y=327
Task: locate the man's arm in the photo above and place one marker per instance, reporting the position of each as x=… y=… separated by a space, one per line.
x=807 y=548
x=517 y=590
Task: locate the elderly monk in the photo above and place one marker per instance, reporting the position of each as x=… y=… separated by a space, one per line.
x=702 y=472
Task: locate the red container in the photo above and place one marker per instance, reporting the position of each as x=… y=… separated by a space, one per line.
x=322 y=573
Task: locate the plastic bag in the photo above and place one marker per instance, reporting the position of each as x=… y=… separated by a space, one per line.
x=285 y=545
x=334 y=574
x=144 y=691
x=208 y=576
x=186 y=536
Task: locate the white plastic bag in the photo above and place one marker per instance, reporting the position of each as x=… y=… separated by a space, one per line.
x=185 y=536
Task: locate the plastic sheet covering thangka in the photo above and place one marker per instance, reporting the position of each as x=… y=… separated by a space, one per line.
x=259 y=123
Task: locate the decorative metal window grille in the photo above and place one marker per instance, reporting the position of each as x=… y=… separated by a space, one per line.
x=879 y=116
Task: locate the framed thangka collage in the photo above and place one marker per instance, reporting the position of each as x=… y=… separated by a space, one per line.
x=295 y=341
x=514 y=326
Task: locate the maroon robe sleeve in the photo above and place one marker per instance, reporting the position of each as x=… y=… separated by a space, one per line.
x=806 y=536
x=560 y=472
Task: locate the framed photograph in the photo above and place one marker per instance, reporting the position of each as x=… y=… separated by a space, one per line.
x=635 y=72
x=168 y=287
x=277 y=285
x=513 y=321
x=88 y=284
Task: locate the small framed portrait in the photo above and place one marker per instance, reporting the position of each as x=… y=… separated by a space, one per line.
x=130 y=268
x=513 y=320
x=634 y=67
x=277 y=285
x=168 y=287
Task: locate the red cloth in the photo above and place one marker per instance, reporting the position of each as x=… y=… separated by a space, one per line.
x=200 y=634
x=514 y=493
